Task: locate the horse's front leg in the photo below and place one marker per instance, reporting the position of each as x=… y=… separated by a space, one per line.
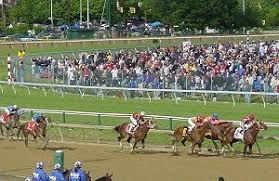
x=44 y=139
x=244 y=150
x=129 y=140
x=174 y=145
x=143 y=143
x=134 y=147
x=250 y=149
x=216 y=147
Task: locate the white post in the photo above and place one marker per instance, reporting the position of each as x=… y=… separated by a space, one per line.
x=88 y=14
x=80 y=11
x=51 y=13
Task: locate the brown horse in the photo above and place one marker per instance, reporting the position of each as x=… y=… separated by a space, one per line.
x=139 y=134
x=215 y=133
x=4 y=117
x=250 y=136
x=107 y=177
x=219 y=134
x=180 y=134
x=36 y=131
x=67 y=172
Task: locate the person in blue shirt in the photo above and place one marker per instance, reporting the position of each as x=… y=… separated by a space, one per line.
x=77 y=174
x=11 y=110
x=39 y=174
x=56 y=174
x=37 y=117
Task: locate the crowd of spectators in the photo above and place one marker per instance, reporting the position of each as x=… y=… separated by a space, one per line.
x=252 y=66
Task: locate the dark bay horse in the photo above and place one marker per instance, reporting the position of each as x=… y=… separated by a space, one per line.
x=219 y=134
x=139 y=134
x=5 y=118
x=67 y=172
x=36 y=131
x=107 y=177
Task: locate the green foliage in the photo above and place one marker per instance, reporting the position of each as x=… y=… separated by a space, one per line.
x=191 y=14
x=20 y=28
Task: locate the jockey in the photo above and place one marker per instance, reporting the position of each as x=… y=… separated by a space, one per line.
x=11 y=110
x=135 y=119
x=39 y=174
x=195 y=122
x=77 y=174
x=213 y=119
x=56 y=174
x=247 y=122
x=36 y=118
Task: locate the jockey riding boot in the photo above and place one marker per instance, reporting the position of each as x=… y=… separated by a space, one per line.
x=11 y=122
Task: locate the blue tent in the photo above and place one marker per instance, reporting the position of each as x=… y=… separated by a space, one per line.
x=156 y=24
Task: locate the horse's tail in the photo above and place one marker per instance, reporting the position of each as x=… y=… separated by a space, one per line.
x=117 y=128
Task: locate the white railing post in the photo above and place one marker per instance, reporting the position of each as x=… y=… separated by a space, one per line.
x=1 y=89
x=204 y=99
x=233 y=100
x=263 y=101
x=28 y=90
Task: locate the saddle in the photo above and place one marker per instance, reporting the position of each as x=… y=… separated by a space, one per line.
x=239 y=133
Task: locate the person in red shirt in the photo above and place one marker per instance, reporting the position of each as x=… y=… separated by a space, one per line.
x=135 y=118
x=247 y=121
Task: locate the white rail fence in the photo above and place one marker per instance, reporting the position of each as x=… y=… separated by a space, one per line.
x=138 y=39
x=170 y=119
x=124 y=90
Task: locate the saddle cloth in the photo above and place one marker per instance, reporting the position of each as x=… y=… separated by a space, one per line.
x=4 y=118
x=32 y=126
x=129 y=127
x=239 y=134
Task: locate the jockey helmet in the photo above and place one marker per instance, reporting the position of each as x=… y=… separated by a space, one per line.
x=15 y=106
x=142 y=113
x=251 y=116
x=40 y=165
x=215 y=115
x=77 y=164
x=57 y=166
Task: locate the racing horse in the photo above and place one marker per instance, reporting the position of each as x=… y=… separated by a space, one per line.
x=33 y=129
x=215 y=133
x=67 y=172
x=139 y=134
x=107 y=177
x=5 y=121
x=196 y=137
x=249 y=136
x=219 y=134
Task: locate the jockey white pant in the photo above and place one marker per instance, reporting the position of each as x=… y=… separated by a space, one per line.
x=135 y=122
x=191 y=124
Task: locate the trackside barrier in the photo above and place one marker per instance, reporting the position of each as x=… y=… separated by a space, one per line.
x=117 y=115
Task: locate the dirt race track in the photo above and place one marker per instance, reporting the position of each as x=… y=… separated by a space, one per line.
x=142 y=165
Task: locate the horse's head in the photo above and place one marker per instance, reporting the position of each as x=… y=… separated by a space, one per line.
x=88 y=178
x=66 y=174
x=207 y=125
x=107 y=177
x=262 y=125
x=47 y=121
x=151 y=123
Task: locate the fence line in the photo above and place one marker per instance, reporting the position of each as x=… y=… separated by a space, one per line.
x=118 y=115
x=140 y=89
x=137 y=39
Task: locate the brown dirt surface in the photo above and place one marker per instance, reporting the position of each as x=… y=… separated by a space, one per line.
x=148 y=165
